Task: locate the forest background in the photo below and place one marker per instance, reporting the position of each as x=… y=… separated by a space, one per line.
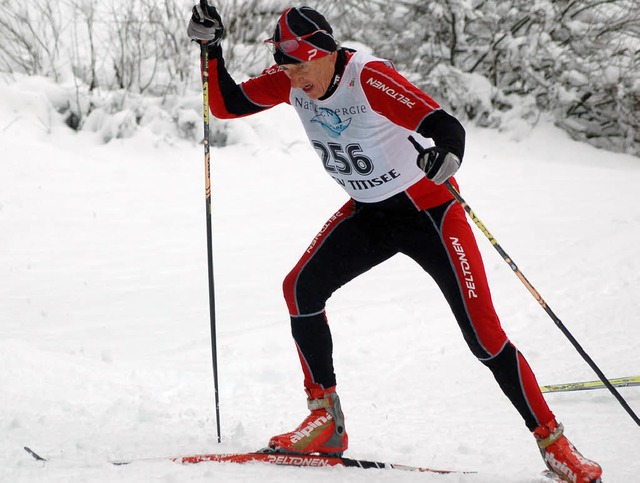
x=495 y=63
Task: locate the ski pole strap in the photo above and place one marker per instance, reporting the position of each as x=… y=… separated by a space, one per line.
x=314 y=404
x=552 y=438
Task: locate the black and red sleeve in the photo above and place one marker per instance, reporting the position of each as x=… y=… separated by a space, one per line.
x=229 y=99
x=393 y=96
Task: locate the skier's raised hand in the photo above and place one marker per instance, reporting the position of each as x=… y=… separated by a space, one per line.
x=205 y=25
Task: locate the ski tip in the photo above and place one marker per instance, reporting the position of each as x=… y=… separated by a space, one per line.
x=35 y=455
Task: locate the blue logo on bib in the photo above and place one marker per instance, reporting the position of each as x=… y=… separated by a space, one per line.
x=331 y=122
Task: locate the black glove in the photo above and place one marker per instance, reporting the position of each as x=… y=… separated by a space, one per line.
x=437 y=163
x=205 y=26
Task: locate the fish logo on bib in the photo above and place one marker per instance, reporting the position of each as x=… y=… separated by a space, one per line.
x=331 y=122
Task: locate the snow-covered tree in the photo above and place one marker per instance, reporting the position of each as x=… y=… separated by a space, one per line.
x=488 y=61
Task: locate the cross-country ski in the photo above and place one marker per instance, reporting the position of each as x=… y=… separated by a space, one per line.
x=280 y=459
x=296 y=460
x=300 y=460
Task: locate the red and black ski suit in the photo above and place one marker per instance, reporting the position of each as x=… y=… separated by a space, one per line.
x=396 y=210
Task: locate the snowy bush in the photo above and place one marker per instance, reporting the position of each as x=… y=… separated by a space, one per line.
x=580 y=61
x=489 y=61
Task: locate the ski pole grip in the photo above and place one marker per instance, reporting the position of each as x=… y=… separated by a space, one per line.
x=421 y=150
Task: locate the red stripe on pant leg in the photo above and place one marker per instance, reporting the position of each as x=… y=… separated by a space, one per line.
x=466 y=258
x=289 y=284
x=467 y=261
x=309 y=384
x=532 y=392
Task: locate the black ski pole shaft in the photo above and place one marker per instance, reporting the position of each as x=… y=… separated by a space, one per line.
x=541 y=301
x=207 y=172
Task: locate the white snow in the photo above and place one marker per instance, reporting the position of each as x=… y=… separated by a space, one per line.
x=105 y=349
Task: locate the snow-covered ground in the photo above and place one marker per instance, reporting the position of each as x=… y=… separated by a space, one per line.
x=105 y=347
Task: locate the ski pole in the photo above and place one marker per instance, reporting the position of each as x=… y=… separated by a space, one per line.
x=541 y=301
x=421 y=150
x=204 y=57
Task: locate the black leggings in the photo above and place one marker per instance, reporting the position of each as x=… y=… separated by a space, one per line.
x=360 y=236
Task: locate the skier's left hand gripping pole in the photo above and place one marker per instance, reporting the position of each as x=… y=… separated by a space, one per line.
x=204 y=57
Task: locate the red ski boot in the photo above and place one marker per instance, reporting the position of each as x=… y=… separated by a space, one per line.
x=321 y=432
x=563 y=458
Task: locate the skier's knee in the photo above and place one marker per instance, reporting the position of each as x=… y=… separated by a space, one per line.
x=302 y=295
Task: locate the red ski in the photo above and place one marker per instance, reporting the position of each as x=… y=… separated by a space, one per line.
x=267 y=456
x=318 y=461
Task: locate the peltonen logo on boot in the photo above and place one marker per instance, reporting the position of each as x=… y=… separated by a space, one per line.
x=305 y=431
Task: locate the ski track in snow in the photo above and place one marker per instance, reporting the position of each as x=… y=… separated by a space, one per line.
x=105 y=349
